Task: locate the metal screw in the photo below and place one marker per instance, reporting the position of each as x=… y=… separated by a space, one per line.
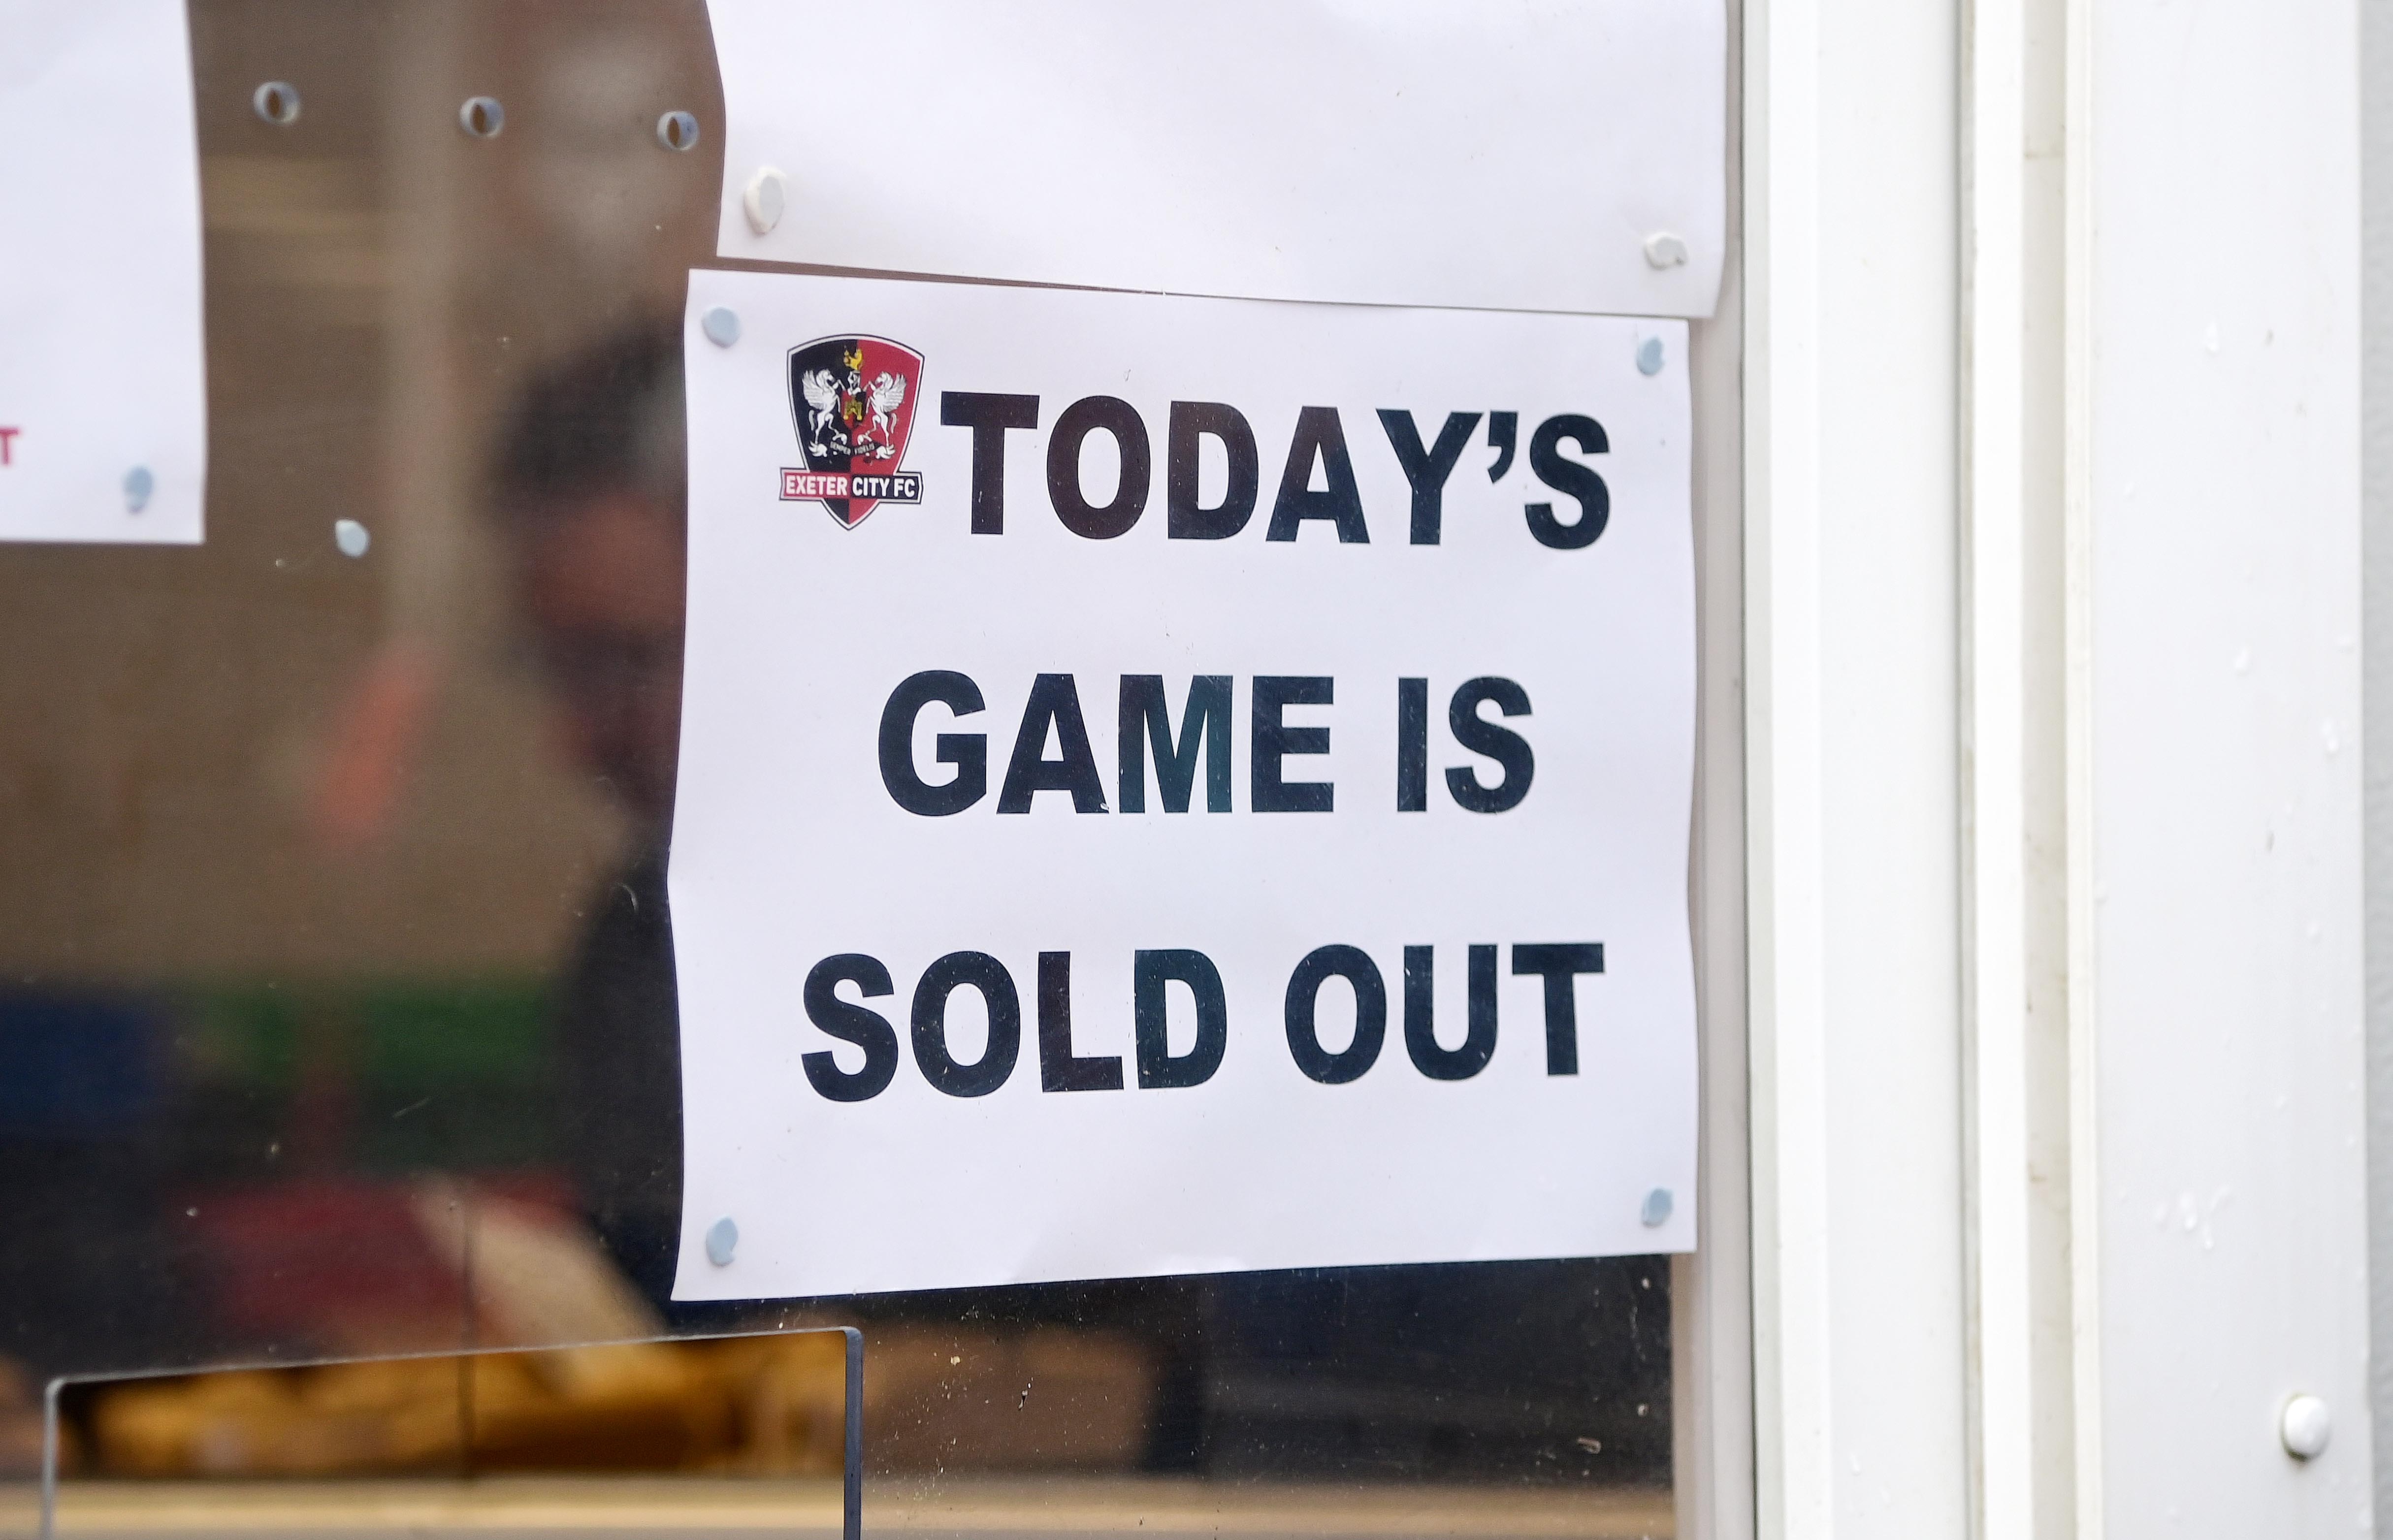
x=1649 y=356
x=351 y=537
x=277 y=102
x=2304 y=1427
x=767 y=196
x=138 y=485
x=1664 y=250
x=482 y=117
x=721 y=326
x=677 y=130
x=1655 y=1211
x=722 y=1240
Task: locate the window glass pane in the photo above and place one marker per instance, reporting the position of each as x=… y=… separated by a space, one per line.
x=337 y=1013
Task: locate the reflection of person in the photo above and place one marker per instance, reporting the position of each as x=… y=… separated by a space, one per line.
x=589 y=484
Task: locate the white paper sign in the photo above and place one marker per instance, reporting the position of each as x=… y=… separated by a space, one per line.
x=103 y=402
x=1516 y=155
x=1412 y=957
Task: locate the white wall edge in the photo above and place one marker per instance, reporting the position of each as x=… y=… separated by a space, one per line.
x=2077 y=705
x=1788 y=1019
x=1994 y=806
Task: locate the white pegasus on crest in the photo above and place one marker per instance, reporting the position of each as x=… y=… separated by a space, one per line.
x=888 y=393
x=822 y=404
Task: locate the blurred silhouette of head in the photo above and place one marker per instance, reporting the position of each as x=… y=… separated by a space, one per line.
x=590 y=485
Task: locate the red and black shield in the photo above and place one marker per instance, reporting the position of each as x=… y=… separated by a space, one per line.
x=852 y=400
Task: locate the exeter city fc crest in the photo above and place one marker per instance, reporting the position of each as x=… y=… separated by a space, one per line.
x=852 y=400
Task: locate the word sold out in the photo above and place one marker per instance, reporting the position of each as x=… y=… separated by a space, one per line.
x=1063 y=1068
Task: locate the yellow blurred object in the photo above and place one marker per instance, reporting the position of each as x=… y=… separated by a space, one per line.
x=251 y=1422
x=789 y=1395
x=1046 y=1398
x=652 y=1406
x=642 y=1406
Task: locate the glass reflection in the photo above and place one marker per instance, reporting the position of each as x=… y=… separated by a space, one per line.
x=338 y=1007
